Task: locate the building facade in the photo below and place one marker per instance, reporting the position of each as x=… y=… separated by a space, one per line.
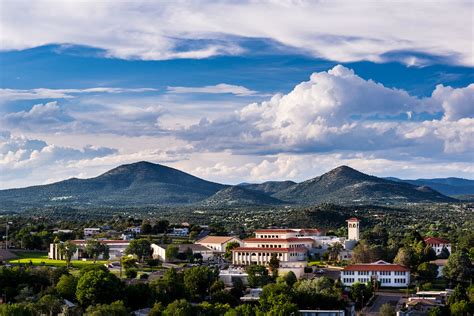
x=388 y=274
x=116 y=249
x=218 y=243
x=159 y=251
x=438 y=244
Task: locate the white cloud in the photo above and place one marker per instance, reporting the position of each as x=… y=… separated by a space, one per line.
x=43 y=93
x=338 y=110
x=342 y=30
x=216 y=89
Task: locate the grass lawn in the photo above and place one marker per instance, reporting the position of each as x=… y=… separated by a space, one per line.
x=39 y=258
x=316 y=263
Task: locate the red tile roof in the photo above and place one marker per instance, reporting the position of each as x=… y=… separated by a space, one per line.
x=278 y=230
x=279 y=240
x=353 y=219
x=257 y=249
x=119 y=241
x=215 y=239
x=376 y=267
x=435 y=240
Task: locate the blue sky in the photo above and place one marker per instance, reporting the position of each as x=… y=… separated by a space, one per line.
x=288 y=92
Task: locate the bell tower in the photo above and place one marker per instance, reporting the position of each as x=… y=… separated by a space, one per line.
x=353 y=228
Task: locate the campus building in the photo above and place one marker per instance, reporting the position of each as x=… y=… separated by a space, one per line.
x=218 y=243
x=159 y=251
x=438 y=244
x=388 y=274
x=116 y=249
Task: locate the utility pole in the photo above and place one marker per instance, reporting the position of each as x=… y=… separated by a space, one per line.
x=6 y=238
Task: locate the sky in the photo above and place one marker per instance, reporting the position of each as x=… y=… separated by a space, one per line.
x=236 y=91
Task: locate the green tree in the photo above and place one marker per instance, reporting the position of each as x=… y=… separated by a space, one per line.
x=98 y=287
x=257 y=275
x=444 y=254
x=157 y=309
x=49 y=305
x=360 y=293
x=387 y=310
x=318 y=293
x=67 y=250
x=128 y=262
x=427 y=271
x=290 y=278
x=274 y=264
x=179 y=308
x=168 y=288
x=406 y=257
x=228 y=249
x=140 y=248
x=171 y=252
x=146 y=228
x=437 y=311
x=429 y=254
x=131 y=273
x=459 y=294
x=114 y=309
x=198 y=280
x=334 y=251
x=273 y=295
x=66 y=286
x=458 y=267
x=95 y=248
x=460 y=308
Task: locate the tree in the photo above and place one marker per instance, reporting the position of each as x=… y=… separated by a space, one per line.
x=49 y=305
x=168 y=288
x=179 y=308
x=427 y=271
x=131 y=273
x=171 y=252
x=67 y=250
x=459 y=294
x=274 y=294
x=444 y=254
x=458 y=267
x=245 y=310
x=198 y=280
x=98 y=287
x=228 y=249
x=318 y=293
x=146 y=228
x=138 y=296
x=290 y=278
x=257 y=275
x=128 y=262
x=360 y=293
x=114 y=309
x=460 y=308
x=274 y=264
x=157 y=309
x=95 y=248
x=140 y=248
x=334 y=251
x=406 y=257
x=387 y=310
x=66 y=286
x=429 y=254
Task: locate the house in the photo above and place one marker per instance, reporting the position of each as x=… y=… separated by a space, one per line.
x=438 y=244
x=318 y=312
x=180 y=232
x=418 y=307
x=218 y=243
x=159 y=251
x=116 y=249
x=388 y=274
x=91 y=231
x=135 y=230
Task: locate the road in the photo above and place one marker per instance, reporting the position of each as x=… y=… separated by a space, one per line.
x=382 y=298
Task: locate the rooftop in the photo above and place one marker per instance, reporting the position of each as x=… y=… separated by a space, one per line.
x=435 y=240
x=376 y=266
x=259 y=249
x=215 y=239
x=291 y=239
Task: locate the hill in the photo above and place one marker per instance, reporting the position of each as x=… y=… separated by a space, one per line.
x=239 y=196
x=446 y=186
x=141 y=183
x=346 y=185
x=269 y=187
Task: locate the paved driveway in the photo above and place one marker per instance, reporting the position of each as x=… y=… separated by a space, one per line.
x=382 y=298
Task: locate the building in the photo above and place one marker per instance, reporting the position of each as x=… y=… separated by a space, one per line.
x=353 y=229
x=180 y=232
x=135 y=230
x=116 y=249
x=159 y=251
x=229 y=276
x=91 y=231
x=438 y=244
x=218 y=243
x=388 y=274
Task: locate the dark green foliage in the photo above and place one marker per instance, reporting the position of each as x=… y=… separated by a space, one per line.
x=257 y=275
x=138 y=296
x=98 y=287
x=131 y=273
x=179 y=308
x=114 y=309
x=360 y=293
x=66 y=286
x=169 y=288
x=427 y=271
x=140 y=248
x=458 y=267
x=198 y=280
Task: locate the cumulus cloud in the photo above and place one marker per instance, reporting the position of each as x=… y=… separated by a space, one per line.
x=338 y=110
x=43 y=93
x=216 y=89
x=343 y=31
x=21 y=156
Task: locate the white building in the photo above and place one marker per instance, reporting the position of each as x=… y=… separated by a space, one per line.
x=353 y=228
x=135 y=230
x=116 y=249
x=91 y=231
x=159 y=251
x=218 y=243
x=230 y=275
x=388 y=274
x=181 y=232
x=438 y=244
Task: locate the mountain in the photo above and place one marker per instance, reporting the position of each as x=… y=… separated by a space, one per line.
x=147 y=184
x=447 y=186
x=239 y=196
x=136 y=184
x=346 y=185
x=269 y=187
